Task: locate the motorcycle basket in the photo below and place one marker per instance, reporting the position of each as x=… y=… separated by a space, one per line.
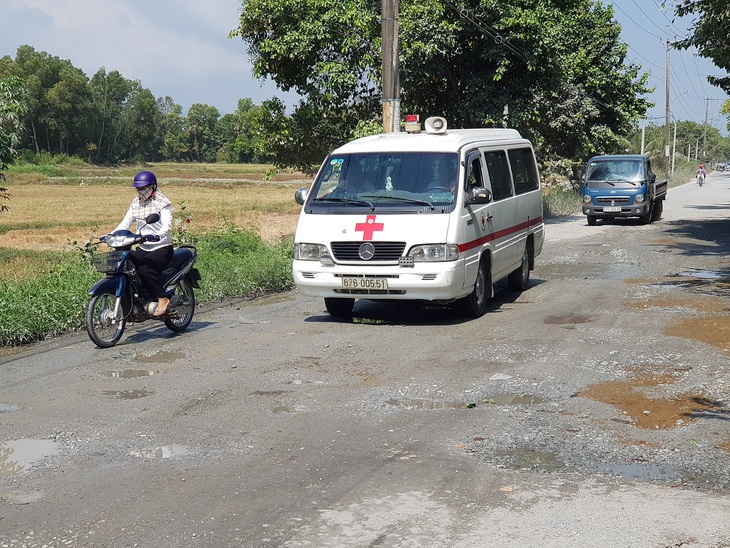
x=107 y=262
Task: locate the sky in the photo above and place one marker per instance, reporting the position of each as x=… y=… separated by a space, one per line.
x=181 y=49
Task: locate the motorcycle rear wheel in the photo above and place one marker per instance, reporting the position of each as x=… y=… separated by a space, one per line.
x=182 y=307
x=103 y=328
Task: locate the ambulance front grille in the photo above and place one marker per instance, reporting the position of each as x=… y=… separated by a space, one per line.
x=384 y=251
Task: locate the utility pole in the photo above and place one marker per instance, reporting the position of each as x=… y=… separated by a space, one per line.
x=674 y=146
x=666 y=132
x=704 y=138
x=391 y=78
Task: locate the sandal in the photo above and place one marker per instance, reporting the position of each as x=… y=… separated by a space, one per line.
x=161 y=311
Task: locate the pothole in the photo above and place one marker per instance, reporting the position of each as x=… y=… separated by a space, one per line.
x=127 y=394
x=19 y=455
x=653 y=413
x=162 y=356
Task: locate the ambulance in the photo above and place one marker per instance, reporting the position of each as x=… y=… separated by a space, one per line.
x=433 y=215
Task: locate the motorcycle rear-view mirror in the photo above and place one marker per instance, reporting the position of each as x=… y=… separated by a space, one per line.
x=152 y=218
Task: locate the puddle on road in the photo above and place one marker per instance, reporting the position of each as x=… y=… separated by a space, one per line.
x=158 y=357
x=128 y=394
x=130 y=373
x=649 y=413
x=162 y=452
x=569 y=318
x=283 y=409
x=531 y=459
x=499 y=399
x=19 y=455
x=8 y=408
x=427 y=404
x=640 y=471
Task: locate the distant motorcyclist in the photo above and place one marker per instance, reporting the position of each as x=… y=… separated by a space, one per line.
x=701 y=171
x=151 y=257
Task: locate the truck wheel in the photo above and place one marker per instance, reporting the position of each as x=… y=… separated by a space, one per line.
x=591 y=220
x=658 y=210
x=339 y=308
x=646 y=218
x=475 y=304
x=519 y=279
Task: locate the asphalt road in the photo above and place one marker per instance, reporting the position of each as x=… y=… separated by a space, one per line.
x=593 y=409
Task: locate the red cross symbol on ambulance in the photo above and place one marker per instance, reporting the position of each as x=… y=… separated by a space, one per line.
x=484 y=222
x=368 y=227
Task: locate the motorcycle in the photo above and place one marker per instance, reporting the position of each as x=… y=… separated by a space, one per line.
x=120 y=297
x=700 y=179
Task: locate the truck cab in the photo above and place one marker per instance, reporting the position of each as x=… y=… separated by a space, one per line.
x=622 y=186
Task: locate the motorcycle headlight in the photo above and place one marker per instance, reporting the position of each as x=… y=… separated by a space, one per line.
x=434 y=252
x=310 y=252
x=639 y=198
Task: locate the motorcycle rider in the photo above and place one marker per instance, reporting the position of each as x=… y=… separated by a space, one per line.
x=151 y=257
x=701 y=171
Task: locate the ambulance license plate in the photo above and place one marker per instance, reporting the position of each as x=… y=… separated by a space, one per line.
x=612 y=209
x=364 y=283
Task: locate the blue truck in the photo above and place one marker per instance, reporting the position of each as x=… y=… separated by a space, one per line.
x=621 y=186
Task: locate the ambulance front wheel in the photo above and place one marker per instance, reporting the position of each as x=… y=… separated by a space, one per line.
x=475 y=304
x=339 y=308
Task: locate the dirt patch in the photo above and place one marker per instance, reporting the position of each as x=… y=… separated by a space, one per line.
x=714 y=330
x=647 y=412
x=700 y=303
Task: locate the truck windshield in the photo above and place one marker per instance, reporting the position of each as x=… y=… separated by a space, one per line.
x=407 y=179
x=616 y=171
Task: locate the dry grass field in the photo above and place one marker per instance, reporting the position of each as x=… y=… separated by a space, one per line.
x=46 y=213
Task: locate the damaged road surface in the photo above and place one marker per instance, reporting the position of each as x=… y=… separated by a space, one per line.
x=592 y=409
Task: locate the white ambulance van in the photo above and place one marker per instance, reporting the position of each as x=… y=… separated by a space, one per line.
x=436 y=215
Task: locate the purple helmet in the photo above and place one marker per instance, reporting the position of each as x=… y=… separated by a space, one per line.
x=145 y=178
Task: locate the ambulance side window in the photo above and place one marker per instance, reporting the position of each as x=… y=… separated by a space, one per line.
x=498 y=170
x=523 y=170
x=474 y=174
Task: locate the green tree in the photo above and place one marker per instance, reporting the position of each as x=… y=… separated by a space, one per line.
x=174 y=140
x=109 y=93
x=708 y=33
x=13 y=107
x=201 y=129
x=555 y=67
x=238 y=134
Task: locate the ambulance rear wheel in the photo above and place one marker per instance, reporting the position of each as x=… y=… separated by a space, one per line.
x=339 y=308
x=520 y=278
x=475 y=304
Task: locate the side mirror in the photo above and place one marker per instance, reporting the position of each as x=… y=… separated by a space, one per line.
x=478 y=195
x=577 y=174
x=152 y=218
x=300 y=196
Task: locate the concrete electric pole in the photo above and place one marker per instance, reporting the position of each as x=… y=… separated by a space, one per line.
x=391 y=79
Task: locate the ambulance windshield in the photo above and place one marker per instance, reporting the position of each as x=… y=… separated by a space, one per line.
x=388 y=180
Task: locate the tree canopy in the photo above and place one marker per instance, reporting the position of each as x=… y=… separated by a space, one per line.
x=13 y=106
x=110 y=119
x=708 y=34
x=555 y=68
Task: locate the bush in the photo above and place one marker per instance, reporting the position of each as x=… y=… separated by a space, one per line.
x=232 y=264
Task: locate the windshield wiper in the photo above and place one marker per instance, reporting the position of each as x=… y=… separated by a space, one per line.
x=400 y=199
x=347 y=201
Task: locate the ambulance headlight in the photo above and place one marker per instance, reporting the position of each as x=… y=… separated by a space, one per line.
x=639 y=198
x=310 y=252
x=434 y=252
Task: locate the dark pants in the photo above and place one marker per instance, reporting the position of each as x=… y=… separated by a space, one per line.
x=150 y=265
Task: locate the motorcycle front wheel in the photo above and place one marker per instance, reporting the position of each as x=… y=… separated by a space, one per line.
x=182 y=307
x=104 y=329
